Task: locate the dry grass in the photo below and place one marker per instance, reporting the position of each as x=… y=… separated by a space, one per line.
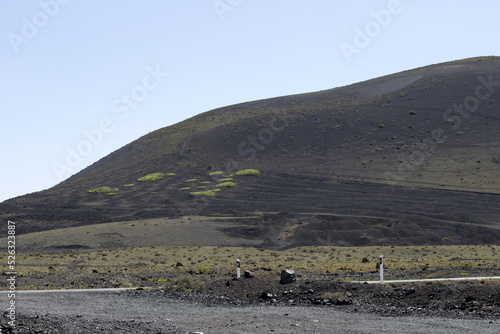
x=222 y=260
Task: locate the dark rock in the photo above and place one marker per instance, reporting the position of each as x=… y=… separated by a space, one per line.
x=287 y=276
x=342 y=301
x=248 y=274
x=266 y=295
x=409 y=292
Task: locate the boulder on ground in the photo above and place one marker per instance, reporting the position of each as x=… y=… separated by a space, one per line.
x=248 y=274
x=287 y=276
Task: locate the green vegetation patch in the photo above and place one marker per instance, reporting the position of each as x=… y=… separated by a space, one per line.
x=129 y=185
x=248 y=172
x=226 y=184
x=191 y=180
x=103 y=190
x=375 y=226
x=170 y=174
x=203 y=269
x=206 y=193
x=216 y=173
x=412 y=112
x=226 y=179
x=186 y=284
x=151 y=177
x=185 y=188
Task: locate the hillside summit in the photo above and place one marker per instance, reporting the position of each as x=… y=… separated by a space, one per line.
x=408 y=158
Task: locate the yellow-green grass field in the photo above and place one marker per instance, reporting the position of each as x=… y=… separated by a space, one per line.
x=439 y=261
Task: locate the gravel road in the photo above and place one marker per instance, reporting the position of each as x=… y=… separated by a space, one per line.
x=155 y=312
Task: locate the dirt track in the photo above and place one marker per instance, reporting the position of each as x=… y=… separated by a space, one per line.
x=264 y=306
x=153 y=312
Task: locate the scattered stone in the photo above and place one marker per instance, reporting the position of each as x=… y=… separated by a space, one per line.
x=179 y=264
x=248 y=274
x=266 y=295
x=287 y=276
x=229 y=283
x=409 y=292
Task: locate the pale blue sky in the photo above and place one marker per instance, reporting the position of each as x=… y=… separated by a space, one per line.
x=67 y=67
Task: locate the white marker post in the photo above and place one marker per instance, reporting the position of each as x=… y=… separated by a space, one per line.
x=238 y=268
x=381 y=269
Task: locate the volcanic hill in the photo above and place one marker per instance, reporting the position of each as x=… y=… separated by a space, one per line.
x=408 y=158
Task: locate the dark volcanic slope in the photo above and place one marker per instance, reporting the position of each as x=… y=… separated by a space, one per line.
x=419 y=148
